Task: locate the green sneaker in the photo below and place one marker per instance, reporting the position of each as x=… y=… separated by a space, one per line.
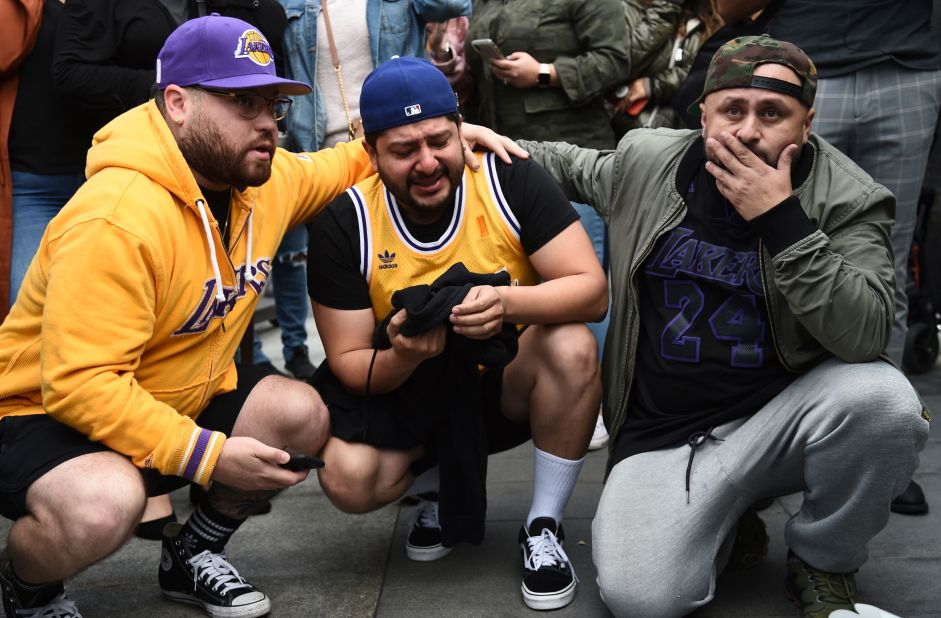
x=751 y=542
x=818 y=593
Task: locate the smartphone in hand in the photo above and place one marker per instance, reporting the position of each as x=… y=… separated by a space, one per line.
x=299 y=462
x=487 y=49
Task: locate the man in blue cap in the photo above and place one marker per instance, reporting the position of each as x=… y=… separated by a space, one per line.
x=117 y=358
x=409 y=256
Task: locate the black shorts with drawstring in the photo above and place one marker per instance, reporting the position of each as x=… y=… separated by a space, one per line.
x=32 y=445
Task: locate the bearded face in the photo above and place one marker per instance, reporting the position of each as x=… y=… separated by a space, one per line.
x=220 y=157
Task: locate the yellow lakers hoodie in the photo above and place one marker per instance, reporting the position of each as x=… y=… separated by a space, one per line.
x=131 y=312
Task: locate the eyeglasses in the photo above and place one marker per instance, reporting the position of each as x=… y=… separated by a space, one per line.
x=250 y=104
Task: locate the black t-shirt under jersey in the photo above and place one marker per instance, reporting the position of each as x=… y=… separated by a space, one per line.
x=333 y=275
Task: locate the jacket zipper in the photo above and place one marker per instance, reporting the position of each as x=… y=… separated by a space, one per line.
x=768 y=292
x=669 y=223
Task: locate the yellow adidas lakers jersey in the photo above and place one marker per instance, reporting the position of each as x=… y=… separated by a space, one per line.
x=483 y=234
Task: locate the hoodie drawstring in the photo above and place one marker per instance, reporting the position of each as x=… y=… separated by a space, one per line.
x=220 y=294
x=249 y=263
x=696 y=440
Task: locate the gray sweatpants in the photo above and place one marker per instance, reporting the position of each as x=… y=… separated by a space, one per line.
x=846 y=435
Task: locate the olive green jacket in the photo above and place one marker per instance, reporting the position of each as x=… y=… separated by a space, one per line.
x=829 y=294
x=667 y=69
x=650 y=27
x=586 y=40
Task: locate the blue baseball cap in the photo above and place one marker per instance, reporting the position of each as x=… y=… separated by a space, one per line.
x=220 y=52
x=402 y=91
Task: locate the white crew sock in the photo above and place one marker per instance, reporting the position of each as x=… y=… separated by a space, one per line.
x=553 y=481
x=429 y=480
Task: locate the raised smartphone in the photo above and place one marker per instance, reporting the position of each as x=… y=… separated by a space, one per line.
x=487 y=49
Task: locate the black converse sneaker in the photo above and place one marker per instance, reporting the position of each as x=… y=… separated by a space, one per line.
x=37 y=602
x=549 y=582
x=206 y=579
x=424 y=534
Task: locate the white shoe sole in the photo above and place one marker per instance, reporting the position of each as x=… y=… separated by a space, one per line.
x=549 y=600
x=426 y=554
x=260 y=608
x=597 y=443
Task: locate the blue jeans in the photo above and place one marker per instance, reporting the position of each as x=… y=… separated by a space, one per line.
x=289 y=279
x=598 y=234
x=37 y=198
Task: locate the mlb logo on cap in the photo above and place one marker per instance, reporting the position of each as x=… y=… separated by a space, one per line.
x=413 y=110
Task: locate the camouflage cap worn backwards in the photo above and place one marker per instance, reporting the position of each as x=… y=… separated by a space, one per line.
x=734 y=63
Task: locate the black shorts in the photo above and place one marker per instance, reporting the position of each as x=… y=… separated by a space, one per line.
x=392 y=427
x=32 y=445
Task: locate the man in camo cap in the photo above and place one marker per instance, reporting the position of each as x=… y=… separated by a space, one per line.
x=752 y=302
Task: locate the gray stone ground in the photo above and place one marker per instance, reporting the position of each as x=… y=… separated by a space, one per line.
x=316 y=561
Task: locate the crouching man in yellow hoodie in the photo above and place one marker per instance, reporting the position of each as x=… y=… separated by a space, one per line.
x=116 y=371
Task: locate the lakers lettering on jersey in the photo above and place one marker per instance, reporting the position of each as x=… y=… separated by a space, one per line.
x=483 y=233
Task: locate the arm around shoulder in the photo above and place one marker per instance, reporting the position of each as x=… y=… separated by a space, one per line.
x=585 y=175
x=315 y=179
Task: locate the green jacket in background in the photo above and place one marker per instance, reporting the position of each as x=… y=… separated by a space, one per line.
x=829 y=294
x=649 y=29
x=667 y=68
x=587 y=42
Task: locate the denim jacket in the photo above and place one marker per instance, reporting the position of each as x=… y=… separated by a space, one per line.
x=396 y=27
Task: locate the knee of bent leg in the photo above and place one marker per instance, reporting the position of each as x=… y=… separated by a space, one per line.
x=630 y=596
x=881 y=403
x=573 y=348
x=105 y=515
x=301 y=414
x=349 y=477
x=635 y=582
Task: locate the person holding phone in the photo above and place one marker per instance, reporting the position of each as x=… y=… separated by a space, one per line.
x=559 y=58
x=117 y=357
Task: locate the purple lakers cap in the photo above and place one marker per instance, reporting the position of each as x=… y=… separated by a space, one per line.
x=403 y=91
x=220 y=52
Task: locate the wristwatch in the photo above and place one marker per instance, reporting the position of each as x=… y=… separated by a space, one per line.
x=545 y=74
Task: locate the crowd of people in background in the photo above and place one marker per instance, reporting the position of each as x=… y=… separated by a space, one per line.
x=589 y=73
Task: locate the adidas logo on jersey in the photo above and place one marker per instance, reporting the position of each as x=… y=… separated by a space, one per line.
x=387 y=259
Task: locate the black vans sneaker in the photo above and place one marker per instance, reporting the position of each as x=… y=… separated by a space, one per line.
x=206 y=579
x=549 y=582
x=424 y=534
x=37 y=602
